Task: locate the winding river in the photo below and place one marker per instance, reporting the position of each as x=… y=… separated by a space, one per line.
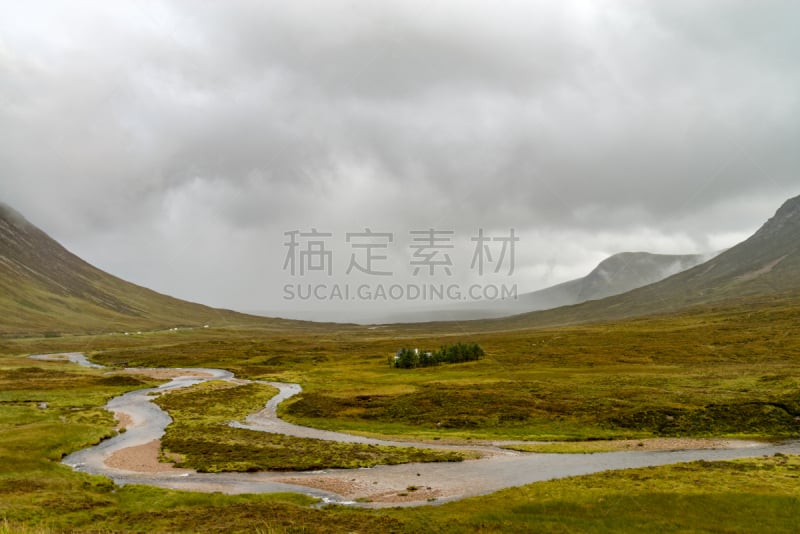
x=374 y=487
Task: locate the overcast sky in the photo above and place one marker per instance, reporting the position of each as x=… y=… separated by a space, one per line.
x=174 y=143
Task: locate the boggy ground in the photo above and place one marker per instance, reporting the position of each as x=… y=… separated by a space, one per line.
x=202 y=439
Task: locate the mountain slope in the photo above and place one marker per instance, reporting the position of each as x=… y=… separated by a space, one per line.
x=614 y=275
x=766 y=264
x=46 y=288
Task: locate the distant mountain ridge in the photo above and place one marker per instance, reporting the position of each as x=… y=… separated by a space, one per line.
x=614 y=275
x=45 y=288
x=767 y=263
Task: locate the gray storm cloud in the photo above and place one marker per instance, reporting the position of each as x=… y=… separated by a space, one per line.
x=193 y=135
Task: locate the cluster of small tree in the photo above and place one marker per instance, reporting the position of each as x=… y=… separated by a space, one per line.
x=460 y=352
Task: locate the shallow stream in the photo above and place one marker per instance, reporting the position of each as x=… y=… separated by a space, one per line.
x=440 y=482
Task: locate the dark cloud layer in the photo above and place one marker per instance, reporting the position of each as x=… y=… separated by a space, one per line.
x=194 y=134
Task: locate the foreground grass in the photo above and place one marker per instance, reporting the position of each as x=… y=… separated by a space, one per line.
x=58 y=409
x=200 y=435
x=102 y=508
x=754 y=495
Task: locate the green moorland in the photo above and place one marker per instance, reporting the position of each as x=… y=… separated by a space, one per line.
x=723 y=371
x=713 y=371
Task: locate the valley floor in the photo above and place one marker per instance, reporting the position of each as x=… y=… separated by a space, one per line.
x=729 y=373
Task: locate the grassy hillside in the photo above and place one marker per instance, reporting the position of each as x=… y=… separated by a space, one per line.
x=766 y=265
x=44 y=288
x=617 y=274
